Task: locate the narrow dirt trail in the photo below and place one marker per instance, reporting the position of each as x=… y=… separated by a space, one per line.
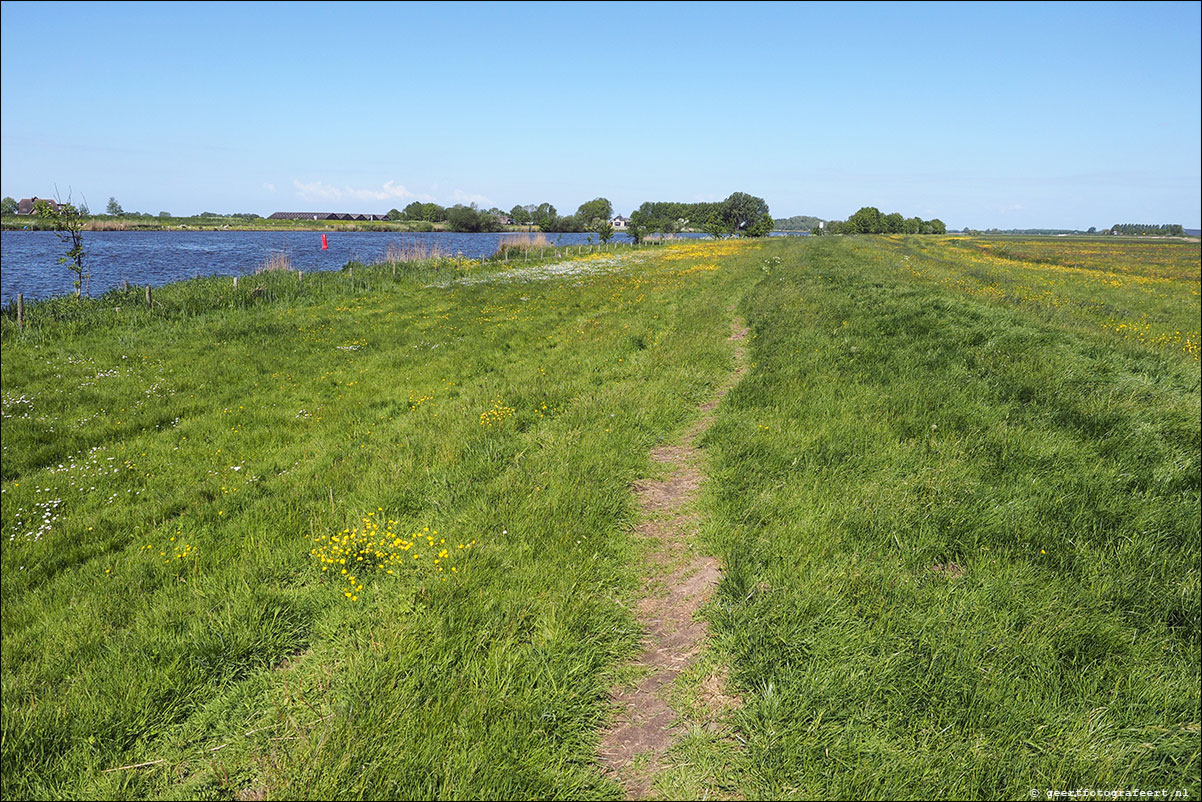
x=632 y=748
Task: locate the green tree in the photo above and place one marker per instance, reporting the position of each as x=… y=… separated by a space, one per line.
x=520 y=215
x=638 y=226
x=8 y=206
x=433 y=213
x=760 y=228
x=866 y=221
x=604 y=230
x=471 y=219
x=716 y=227
x=113 y=207
x=595 y=210
x=740 y=211
x=68 y=225
x=938 y=226
x=544 y=216
x=893 y=223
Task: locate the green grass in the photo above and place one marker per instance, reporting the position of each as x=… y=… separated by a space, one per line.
x=957 y=502
x=963 y=558
x=246 y=433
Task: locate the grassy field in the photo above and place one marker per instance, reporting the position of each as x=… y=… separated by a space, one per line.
x=370 y=535
x=959 y=510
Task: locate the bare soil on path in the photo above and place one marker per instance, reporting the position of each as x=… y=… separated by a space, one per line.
x=645 y=725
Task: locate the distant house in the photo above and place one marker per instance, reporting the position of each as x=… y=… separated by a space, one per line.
x=26 y=205
x=504 y=219
x=619 y=222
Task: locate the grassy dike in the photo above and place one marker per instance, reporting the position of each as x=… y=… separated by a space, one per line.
x=171 y=480
x=960 y=521
x=956 y=497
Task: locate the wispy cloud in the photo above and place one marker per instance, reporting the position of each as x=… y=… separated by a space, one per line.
x=319 y=190
x=459 y=196
x=269 y=187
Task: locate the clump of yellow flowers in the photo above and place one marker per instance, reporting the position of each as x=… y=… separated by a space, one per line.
x=375 y=547
x=496 y=415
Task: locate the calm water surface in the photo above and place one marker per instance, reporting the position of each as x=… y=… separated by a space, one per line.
x=28 y=258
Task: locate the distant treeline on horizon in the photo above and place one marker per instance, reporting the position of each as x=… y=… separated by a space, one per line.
x=869 y=220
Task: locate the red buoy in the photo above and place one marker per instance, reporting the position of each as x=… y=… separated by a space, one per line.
x=325 y=246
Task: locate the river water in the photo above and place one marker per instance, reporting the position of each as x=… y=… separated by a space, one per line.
x=28 y=259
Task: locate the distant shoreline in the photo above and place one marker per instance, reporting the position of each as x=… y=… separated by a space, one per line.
x=28 y=223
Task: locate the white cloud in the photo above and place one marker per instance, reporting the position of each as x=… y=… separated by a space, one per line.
x=1014 y=207
x=459 y=196
x=319 y=190
x=269 y=187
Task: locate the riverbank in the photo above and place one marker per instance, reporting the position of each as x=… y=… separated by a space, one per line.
x=116 y=258
x=105 y=223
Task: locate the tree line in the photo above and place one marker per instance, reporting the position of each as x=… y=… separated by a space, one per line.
x=869 y=220
x=591 y=216
x=740 y=215
x=1140 y=230
x=798 y=222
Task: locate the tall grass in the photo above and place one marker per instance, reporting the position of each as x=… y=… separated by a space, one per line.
x=522 y=244
x=162 y=599
x=413 y=250
x=276 y=260
x=961 y=532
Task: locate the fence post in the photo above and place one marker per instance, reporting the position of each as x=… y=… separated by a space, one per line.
x=235 y=282
x=149 y=301
x=299 y=276
x=20 y=310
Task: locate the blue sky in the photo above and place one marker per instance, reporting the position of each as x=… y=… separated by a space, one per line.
x=1006 y=115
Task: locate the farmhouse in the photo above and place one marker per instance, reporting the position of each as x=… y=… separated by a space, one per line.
x=619 y=222
x=26 y=205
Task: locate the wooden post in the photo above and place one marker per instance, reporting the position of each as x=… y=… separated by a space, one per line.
x=394 y=269
x=20 y=310
x=299 y=276
x=149 y=301
x=235 y=282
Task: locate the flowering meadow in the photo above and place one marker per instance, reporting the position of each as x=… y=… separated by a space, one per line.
x=371 y=533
